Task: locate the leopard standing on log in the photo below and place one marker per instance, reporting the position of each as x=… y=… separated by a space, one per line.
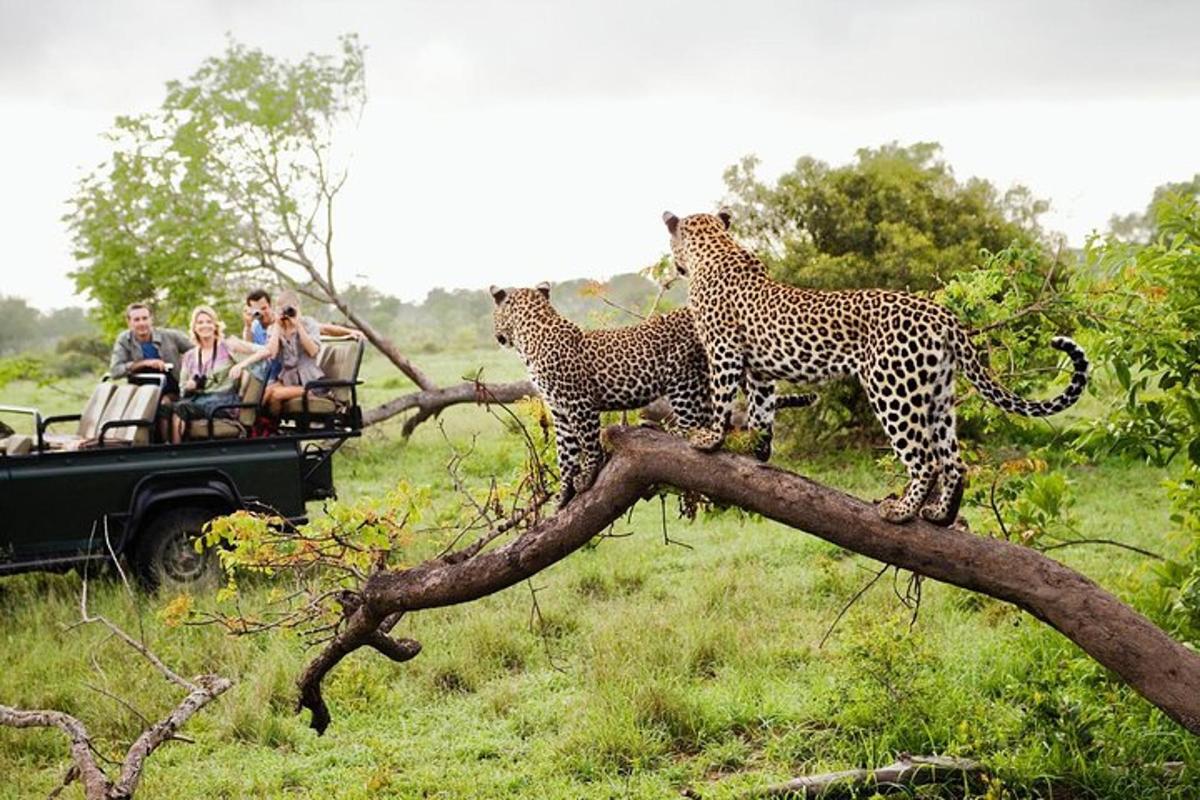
x=902 y=348
x=580 y=373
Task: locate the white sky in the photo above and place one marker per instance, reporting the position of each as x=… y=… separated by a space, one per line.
x=516 y=142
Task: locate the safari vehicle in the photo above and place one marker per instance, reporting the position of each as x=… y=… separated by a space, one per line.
x=105 y=490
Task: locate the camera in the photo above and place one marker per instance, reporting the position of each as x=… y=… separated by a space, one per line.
x=289 y=312
x=257 y=313
x=200 y=381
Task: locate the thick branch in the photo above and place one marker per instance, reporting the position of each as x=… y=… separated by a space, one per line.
x=432 y=401
x=1163 y=671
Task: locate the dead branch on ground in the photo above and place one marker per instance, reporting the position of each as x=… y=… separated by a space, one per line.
x=97 y=785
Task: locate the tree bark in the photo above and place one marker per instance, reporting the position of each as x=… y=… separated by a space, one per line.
x=1160 y=669
x=900 y=777
x=431 y=402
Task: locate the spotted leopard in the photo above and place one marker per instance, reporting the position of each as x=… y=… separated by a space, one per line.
x=580 y=373
x=902 y=348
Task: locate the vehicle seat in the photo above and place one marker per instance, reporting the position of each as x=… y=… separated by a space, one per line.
x=250 y=395
x=113 y=410
x=340 y=360
x=143 y=407
x=17 y=444
x=89 y=420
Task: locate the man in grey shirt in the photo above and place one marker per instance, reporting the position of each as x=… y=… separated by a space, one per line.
x=144 y=348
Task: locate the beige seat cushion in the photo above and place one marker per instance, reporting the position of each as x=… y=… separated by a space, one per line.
x=251 y=391
x=114 y=409
x=143 y=406
x=223 y=428
x=95 y=407
x=88 y=426
x=17 y=445
x=317 y=404
x=339 y=360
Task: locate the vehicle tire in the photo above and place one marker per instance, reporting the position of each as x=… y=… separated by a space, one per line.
x=165 y=556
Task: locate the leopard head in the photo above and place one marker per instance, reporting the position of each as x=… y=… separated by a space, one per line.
x=691 y=237
x=514 y=307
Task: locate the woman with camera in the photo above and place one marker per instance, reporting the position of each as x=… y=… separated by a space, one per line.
x=295 y=340
x=209 y=373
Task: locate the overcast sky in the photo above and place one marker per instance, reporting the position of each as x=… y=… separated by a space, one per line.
x=514 y=142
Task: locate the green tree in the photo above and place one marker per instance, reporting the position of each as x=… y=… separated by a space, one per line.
x=19 y=325
x=232 y=181
x=1141 y=226
x=896 y=217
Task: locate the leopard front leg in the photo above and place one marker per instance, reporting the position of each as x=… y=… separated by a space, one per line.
x=691 y=404
x=566 y=443
x=587 y=429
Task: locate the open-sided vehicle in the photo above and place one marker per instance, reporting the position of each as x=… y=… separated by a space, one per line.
x=106 y=490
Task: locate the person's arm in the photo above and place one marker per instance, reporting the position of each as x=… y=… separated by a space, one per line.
x=333 y=329
x=243 y=347
x=255 y=354
x=247 y=323
x=118 y=364
x=310 y=345
x=187 y=368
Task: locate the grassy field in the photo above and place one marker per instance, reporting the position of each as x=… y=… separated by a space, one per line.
x=661 y=666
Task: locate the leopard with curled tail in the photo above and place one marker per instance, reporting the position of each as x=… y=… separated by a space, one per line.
x=903 y=349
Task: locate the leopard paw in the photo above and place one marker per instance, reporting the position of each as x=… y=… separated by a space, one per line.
x=891 y=510
x=707 y=440
x=936 y=516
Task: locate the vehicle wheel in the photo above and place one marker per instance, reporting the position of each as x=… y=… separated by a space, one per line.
x=165 y=554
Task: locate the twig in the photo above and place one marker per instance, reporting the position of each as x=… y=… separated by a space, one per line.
x=1110 y=542
x=851 y=602
x=535 y=616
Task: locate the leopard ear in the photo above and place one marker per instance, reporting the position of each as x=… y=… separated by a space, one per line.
x=498 y=294
x=671 y=220
x=726 y=217
x=544 y=288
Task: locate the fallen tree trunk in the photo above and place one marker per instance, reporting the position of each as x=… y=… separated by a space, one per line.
x=899 y=777
x=1160 y=669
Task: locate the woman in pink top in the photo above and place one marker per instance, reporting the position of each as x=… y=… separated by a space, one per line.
x=208 y=374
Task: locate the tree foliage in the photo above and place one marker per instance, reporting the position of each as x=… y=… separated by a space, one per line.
x=229 y=180
x=895 y=218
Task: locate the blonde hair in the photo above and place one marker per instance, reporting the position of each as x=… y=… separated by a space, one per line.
x=197 y=311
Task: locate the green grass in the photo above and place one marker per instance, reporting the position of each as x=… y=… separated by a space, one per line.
x=661 y=666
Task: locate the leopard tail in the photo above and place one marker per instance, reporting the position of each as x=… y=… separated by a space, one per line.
x=968 y=361
x=794 y=400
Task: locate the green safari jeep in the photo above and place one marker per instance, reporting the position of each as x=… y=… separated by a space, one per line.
x=107 y=490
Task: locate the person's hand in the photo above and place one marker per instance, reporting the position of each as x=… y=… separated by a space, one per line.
x=235 y=372
x=155 y=364
x=247 y=315
x=190 y=386
x=357 y=334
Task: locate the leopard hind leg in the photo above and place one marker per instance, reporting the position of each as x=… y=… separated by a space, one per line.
x=760 y=414
x=943 y=507
x=591 y=454
x=891 y=392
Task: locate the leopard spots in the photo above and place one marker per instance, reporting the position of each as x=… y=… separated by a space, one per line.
x=903 y=349
x=580 y=373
